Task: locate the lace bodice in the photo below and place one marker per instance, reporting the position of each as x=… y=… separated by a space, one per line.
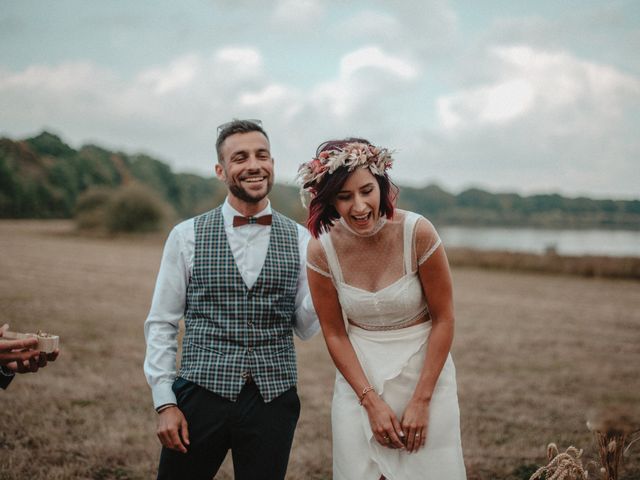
x=376 y=277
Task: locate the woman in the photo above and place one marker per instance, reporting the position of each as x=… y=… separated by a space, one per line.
x=381 y=286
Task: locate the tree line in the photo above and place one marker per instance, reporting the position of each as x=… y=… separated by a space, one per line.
x=43 y=177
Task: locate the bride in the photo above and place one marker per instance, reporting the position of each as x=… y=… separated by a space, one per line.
x=381 y=286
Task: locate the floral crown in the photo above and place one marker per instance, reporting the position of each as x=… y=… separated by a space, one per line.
x=352 y=155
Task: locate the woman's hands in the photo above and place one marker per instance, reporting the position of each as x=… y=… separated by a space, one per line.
x=415 y=422
x=384 y=423
x=410 y=433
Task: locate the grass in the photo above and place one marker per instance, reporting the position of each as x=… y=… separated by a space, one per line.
x=582 y=265
x=534 y=353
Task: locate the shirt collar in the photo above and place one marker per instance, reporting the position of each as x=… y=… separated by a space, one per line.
x=228 y=212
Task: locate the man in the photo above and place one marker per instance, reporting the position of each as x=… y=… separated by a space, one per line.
x=20 y=356
x=237 y=275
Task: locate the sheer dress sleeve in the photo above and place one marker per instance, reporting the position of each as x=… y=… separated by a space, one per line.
x=317 y=258
x=426 y=241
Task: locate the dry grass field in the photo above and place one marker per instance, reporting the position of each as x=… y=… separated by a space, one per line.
x=534 y=353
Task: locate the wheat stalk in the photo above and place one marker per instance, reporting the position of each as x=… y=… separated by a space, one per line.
x=562 y=466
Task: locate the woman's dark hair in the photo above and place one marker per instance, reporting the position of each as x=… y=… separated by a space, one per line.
x=322 y=212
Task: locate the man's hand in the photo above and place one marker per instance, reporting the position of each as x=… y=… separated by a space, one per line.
x=172 y=429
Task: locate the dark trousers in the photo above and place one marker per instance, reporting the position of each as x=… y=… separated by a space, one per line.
x=259 y=434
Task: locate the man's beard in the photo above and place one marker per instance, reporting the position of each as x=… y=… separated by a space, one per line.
x=239 y=192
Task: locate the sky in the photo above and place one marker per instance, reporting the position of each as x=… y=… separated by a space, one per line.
x=509 y=96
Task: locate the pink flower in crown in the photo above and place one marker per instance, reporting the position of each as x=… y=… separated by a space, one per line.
x=324 y=155
x=316 y=166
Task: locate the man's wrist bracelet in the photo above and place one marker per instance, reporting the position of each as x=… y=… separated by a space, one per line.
x=165 y=406
x=365 y=390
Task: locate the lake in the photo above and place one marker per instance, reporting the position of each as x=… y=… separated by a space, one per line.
x=617 y=243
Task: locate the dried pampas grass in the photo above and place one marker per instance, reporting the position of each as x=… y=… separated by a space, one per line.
x=612 y=428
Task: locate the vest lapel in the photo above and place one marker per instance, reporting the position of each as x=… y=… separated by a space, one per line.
x=219 y=221
x=275 y=232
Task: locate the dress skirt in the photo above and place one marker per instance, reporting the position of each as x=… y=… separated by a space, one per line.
x=392 y=361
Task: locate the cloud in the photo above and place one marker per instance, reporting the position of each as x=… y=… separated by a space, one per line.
x=172 y=110
x=268 y=95
x=297 y=15
x=533 y=82
x=364 y=74
x=498 y=103
x=178 y=75
x=375 y=58
x=369 y=24
x=54 y=95
x=424 y=29
x=346 y=104
x=67 y=76
x=241 y=58
x=169 y=110
x=549 y=121
x=274 y=100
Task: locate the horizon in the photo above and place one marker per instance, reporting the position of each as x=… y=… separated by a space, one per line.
x=292 y=184
x=507 y=97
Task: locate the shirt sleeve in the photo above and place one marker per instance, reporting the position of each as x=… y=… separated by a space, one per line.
x=306 y=323
x=6 y=376
x=162 y=324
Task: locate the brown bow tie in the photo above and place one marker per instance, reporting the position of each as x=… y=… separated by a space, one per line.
x=239 y=221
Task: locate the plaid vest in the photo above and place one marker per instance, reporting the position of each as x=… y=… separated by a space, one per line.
x=232 y=331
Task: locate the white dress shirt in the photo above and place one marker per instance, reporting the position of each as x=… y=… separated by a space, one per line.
x=249 y=245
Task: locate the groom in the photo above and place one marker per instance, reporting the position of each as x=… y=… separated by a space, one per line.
x=237 y=275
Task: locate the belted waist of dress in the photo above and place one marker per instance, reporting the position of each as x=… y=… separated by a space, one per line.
x=422 y=318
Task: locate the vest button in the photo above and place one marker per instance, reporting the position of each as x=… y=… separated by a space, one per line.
x=250 y=323
x=250 y=349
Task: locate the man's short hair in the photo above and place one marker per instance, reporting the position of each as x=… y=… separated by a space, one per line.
x=236 y=126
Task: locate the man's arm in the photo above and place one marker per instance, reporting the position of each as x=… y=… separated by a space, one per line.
x=161 y=333
x=162 y=324
x=306 y=323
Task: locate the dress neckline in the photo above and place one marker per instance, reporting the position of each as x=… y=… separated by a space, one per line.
x=395 y=282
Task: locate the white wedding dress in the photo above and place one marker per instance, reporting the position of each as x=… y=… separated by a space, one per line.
x=381 y=296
